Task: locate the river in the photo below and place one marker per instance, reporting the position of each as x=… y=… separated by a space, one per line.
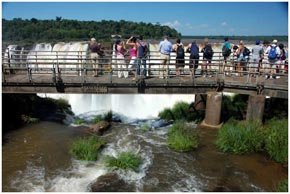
x=36 y=158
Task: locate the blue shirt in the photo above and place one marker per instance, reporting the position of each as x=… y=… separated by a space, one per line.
x=165 y=47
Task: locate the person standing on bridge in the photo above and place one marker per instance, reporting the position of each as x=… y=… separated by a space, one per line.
x=120 y=52
x=179 y=49
x=207 y=58
x=165 y=48
x=273 y=51
x=142 y=51
x=194 y=57
x=132 y=41
x=96 y=52
x=257 y=57
x=226 y=52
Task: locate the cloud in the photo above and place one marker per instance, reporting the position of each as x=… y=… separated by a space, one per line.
x=224 y=24
x=175 y=24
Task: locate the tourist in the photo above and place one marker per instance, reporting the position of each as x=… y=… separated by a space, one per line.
x=96 y=51
x=132 y=41
x=165 y=48
x=281 y=59
x=257 y=57
x=142 y=51
x=179 y=49
x=226 y=52
x=207 y=57
x=120 y=52
x=272 y=51
x=243 y=54
x=194 y=57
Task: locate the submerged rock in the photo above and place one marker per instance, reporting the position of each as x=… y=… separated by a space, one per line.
x=100 y=127
x=160 y=123
x=110 y=182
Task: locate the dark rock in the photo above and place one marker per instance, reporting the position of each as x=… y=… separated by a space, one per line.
x=110 y=182
x=160 y=123
x=100 y=127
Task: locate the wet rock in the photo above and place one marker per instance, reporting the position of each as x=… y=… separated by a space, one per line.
x=100 y=127
x=110 y=182
x=160 y=123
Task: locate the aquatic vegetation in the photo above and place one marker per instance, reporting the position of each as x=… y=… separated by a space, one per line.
x=87 y=148
x=97 y=119
x=240 y=137
x=276 y=139
x=79 y=121
x=29 y=120
x=166 y=114
x=182 y=137
x=108 y=116
x=282 y=186
x=124 y=160
x=144 y=128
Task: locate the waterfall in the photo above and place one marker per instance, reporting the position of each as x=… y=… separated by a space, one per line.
x=135 y=106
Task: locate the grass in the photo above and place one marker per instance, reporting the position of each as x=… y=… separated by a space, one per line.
x=276 y=139
x=282 y=186
x=125 y=160
x=97 y=119
x=29 y=120
x=144 y=128
x=182 y=138
x=240 y=137
x=104 y=117
x=87 y=148
x=79 y=121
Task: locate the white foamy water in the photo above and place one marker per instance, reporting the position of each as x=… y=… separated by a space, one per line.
x=135 y=106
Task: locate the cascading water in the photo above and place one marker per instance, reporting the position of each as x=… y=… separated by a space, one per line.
x=134 y=106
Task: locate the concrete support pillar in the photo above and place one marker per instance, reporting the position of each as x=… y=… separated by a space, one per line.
x=256 y=106
x=200 y=101
x=213 y=109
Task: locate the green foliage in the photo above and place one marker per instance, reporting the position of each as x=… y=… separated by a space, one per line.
x=166 y=114
x=65 y=30
x=145 y=128
x=29 y=120
x=276 y=107
x=108 y=116
x=234 y=107
x=181 y=111
x=282 y=186
x=125 y=160
x=79 y=121
x=97 y=119
x=181 y=137
x=276 y=139
x=240 y=137
x=87 y=148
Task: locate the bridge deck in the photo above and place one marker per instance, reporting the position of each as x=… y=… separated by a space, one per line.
x=112 y=84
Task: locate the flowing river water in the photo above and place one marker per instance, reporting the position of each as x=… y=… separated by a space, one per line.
x=36 y=158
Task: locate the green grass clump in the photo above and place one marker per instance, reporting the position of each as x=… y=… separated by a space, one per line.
x=181 y=137
x=166 y=114
x=240 y=137
x=97 y=119
x=276 y=139
x=87 y=148
x=144 y=128
x=79 y=121
x=108 y=116
x=29 y=120
x=282 y=186
x=125 y=160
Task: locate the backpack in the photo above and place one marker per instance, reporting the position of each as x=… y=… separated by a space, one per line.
x=272 y=53
x=142 y=50
x=283 y=55
x=194 y=51
x=207 y=52
x=226 y=51
x=180 y=52
x=246 y=52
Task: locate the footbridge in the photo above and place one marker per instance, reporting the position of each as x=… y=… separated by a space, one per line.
x=59 y=72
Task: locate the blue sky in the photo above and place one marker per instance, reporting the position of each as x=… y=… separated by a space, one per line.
x=188 y=18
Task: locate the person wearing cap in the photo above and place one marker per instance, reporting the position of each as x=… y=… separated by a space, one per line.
x=257 y=57
x=96 y=52
x=242 y=57
x=165 y=48
x=273 y=51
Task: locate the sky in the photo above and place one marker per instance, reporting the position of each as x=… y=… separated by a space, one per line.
x=188 y=18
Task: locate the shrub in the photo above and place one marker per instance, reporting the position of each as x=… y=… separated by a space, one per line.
x=108 y=116
x=87 y=148
x=125 y=160
x=240 y=137
x=180 y=110
x=145 y=128
x=181 y=137
x=282 y=186
x=79 y=121
x=97 y=119
x=166 y=114
x=276 y=139
x=29 y=120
